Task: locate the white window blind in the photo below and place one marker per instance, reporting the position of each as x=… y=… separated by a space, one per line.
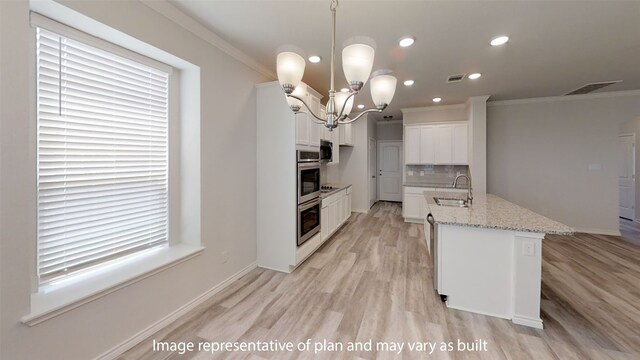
x=102 y=156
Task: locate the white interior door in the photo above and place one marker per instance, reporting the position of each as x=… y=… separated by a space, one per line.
x=373 y=181
x=627 y=176
x=390 y=170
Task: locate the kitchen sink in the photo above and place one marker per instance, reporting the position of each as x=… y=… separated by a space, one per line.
x=451 y=202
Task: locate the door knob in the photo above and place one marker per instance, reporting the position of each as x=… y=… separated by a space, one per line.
x=373 y=176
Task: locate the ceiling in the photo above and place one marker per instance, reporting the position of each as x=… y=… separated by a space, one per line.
x=554 y=47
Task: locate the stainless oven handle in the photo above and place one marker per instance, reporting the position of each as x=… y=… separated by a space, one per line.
x=309 y=205
x=309 y=165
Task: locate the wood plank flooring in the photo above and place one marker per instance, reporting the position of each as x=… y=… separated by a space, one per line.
x=372 y=280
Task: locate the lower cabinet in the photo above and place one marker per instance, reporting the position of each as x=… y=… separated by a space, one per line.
x=336 y=209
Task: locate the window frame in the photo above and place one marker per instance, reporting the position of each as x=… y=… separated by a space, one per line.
x=184 y=233
x=108 y=48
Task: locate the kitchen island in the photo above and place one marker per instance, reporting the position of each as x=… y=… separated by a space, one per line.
x=488 y=256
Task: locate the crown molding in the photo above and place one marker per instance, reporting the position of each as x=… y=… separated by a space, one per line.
x=604 y=95
x=434 y=108
x=190 y=24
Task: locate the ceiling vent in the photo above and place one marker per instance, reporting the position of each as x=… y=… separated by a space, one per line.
x=455 y=78
x=592 y=87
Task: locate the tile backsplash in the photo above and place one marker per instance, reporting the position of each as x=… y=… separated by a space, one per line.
x=435 y=174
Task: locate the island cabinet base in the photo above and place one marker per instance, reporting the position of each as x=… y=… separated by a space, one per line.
x=491 y=272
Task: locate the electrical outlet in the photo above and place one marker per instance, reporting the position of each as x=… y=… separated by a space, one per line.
x=224 y=256
x=421 y=173
x=410 y=173
x=528 y=248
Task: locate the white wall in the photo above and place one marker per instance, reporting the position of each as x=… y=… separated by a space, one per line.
x=633 y=127
x=228 y=178
x=539 y=152
x=390 y=131
x=354 y=162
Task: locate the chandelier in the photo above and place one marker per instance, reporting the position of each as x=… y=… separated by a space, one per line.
x=357 y=62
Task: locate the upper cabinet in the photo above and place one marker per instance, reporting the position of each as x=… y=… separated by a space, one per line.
x=308 y=132
x=346 y=135
x=445 y=144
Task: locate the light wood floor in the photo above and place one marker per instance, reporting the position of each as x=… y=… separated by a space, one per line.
x=373 y=281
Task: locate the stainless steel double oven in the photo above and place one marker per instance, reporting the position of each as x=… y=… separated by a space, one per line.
x=308 y=195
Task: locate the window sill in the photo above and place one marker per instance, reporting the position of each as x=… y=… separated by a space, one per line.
x=64 y=297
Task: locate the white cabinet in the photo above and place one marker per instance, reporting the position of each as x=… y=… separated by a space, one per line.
x=414 y=203
x=437 y=144
x=336 y=209
x=428 y=145
x=444 y=149
x=324 y=217
x=314 y=128
x=460 y=144
x=346 y=135
x=412 y=145
x=302 y=129
x=308 y=131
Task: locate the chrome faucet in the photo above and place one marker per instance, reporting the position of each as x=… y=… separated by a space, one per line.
x=469 y=194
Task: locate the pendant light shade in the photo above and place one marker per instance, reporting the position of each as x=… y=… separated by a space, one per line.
x=290 y=68
x=382 y=89
x=340 y=98
x=357 y=62
x=300 y=91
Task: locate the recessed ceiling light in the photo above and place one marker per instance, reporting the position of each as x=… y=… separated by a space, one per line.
x=315 y=59
x=407 y=41
x=408 y=83
x=437 y=99
x=500 y=40
x=344 y=90
x=474 y=76
x=361 y=106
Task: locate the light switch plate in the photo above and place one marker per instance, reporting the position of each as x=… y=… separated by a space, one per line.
x=421 y=173
x=410 y=173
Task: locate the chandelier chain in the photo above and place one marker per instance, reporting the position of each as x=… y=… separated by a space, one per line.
x=334 y=5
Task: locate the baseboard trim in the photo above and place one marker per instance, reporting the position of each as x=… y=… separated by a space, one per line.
x=527 y=321
x=598 y=231
x=181 y=311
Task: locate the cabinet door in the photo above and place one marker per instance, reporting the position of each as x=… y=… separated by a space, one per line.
x=411 y=206
x=314 y=128
x=346 y=135
x=460 y=144
x=428 y=145
x=340 y=211
x=412 y=145
x=444 y=153
x=302 y=129
x=324 y=222
x=331 y=215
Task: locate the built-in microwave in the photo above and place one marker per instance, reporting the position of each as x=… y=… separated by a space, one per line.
x=326 y=151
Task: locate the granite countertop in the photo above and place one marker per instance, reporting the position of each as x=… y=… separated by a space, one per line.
x=492 y=212
x=336 y=188
x=435 y=185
